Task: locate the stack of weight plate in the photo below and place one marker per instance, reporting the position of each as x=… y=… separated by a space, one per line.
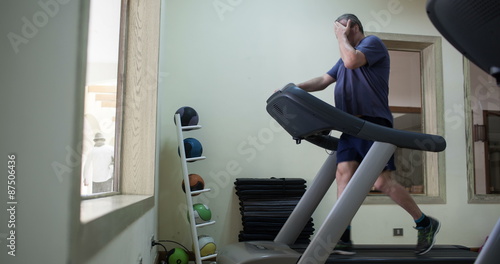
x=266 y=203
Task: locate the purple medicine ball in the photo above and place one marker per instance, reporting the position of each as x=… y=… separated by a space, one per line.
x=189 y=117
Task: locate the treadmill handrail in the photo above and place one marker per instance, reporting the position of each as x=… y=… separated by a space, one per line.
x=321 y=116
x=324 y=141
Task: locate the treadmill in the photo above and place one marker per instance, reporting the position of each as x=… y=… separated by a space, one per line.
x=472 y=27
x=305 y=117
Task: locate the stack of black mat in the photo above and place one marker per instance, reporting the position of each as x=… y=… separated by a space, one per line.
x=265 y=205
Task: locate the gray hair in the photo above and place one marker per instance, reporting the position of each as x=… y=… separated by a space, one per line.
x=354 y=20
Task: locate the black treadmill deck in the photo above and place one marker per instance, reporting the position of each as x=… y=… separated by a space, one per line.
x=402 y=254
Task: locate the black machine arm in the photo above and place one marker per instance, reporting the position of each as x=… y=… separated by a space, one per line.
x=305 y=116
x=472 y=28
x=324 y=141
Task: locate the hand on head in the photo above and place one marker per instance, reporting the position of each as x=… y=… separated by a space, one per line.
x=341 y=29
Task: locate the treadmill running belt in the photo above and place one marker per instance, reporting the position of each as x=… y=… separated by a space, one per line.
x=402 y=254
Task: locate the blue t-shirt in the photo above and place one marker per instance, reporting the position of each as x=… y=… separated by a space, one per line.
x=364 y=91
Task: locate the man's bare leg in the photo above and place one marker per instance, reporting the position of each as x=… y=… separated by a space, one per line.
x=384 y=183
x=427 y=227
x=345 y=171
x=398 y=194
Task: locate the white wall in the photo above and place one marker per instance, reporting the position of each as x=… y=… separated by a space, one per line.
x=132 y=245
x=225 y=58
x=41 y=110
x=39 y=103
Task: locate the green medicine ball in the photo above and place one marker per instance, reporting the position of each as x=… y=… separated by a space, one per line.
x=177 y=256
x=201 y=213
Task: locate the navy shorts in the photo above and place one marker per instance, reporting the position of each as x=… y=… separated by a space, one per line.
x=351 y=148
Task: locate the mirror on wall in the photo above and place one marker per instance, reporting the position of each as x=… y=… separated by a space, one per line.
x=492 y=151
x=415 y=100
x=405 y=100
x=483 y=130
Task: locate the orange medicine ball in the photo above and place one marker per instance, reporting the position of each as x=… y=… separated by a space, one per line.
x=196 y=183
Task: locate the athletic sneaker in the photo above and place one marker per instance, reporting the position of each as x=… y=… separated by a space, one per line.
x=427 y=236
x=343 y=248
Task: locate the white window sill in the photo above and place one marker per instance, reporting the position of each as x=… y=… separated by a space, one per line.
x=93 y=209
x=102 y=219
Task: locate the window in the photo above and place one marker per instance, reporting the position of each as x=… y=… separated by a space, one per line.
x=104 y=218
x=415 y=99
x=482 y=115
x=100 y=150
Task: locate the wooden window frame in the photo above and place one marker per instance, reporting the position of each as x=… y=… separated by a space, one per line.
x=100 y=220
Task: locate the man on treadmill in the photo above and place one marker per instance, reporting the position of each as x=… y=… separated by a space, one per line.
x=362 y=89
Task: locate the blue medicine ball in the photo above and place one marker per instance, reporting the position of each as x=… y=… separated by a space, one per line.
x=189 y=116
x=192 y=147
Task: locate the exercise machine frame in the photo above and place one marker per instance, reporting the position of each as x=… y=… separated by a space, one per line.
x=306 y=117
